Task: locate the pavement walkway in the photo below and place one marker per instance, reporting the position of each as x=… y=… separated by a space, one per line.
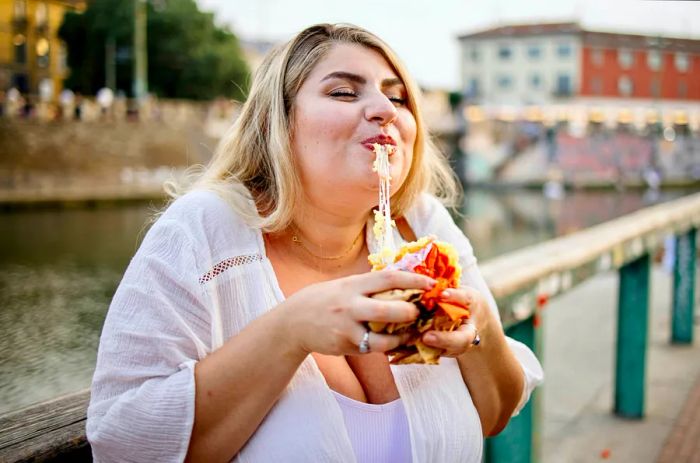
x=577 y=399
x=683 y=444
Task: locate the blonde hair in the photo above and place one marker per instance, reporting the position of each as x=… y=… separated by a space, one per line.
x=253 y=166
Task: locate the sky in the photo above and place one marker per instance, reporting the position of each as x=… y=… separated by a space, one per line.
x=424 y=32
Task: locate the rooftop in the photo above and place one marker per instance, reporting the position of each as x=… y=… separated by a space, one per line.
x=591 y=37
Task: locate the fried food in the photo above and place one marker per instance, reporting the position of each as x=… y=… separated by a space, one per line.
x=439 y=261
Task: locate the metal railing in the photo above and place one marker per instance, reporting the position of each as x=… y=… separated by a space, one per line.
x=522 y=282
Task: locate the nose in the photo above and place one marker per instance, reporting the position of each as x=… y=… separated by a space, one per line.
x=380 y=109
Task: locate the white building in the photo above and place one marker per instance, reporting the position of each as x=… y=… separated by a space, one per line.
x=522 y=64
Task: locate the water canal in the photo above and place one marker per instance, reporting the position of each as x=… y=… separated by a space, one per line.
x=59 y=269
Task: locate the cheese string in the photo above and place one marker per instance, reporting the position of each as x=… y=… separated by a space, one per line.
x=382 y=217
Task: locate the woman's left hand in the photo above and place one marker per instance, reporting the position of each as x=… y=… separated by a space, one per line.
x=461 y=340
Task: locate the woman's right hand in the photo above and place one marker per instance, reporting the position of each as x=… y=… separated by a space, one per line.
x=328 y=317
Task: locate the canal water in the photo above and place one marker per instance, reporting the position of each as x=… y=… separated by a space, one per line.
x=59 y=269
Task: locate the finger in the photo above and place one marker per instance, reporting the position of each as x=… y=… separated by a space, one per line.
x=377 y=342
x=374 y=282
x=463 y=296
x=453 y=342
x=375 y=310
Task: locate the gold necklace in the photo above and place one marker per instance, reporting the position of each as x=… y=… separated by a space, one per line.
x=297 y=240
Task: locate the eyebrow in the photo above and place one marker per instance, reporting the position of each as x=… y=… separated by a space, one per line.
x=390 y=82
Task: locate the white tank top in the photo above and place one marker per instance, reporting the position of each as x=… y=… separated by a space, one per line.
x=378 y=432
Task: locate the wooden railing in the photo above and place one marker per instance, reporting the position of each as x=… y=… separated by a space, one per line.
x=522 y=282
x=50 y=431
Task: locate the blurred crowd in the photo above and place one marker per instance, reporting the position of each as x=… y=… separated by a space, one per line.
x=107 y=105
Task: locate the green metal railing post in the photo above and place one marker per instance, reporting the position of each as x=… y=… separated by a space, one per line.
x=516 y=443
x=683 y=288
x=632 y=322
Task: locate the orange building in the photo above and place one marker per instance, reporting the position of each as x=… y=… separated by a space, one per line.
x=31 y=54
x=637 y=66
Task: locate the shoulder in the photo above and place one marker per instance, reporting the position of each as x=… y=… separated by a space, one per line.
x=209 y=220
x=428 y=216
x=204 y=206
x=427 y=211
x=194 y=206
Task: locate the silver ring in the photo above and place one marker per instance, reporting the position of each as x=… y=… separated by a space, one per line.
x=364 y=344
x=477 y=339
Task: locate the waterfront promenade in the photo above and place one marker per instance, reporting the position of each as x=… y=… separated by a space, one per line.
x=578 y=425
x=579 y=331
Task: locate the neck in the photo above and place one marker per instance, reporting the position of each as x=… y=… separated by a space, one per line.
x=329 y=235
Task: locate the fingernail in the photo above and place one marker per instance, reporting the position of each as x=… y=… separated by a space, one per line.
x=446 y=294
x=430 y=338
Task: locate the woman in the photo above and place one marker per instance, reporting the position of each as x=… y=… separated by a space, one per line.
x=236 y=331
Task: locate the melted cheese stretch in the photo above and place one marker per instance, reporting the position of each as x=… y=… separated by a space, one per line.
x=383 y=223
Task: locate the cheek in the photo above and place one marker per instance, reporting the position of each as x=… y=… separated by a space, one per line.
x=317 y=139
x=321 y=125
x=408 y=135
x=408 y=130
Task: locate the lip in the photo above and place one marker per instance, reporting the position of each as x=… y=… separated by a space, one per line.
x=380 y=139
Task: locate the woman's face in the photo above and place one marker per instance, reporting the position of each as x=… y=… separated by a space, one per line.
x=351 y=99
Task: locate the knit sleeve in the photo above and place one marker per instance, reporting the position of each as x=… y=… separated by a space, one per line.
x=431 y=217
x=157 y=328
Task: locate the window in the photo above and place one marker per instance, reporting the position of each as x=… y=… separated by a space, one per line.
x=597 y=86
x=564 y=50
x=20 y=43
x=21 y=82
x=625 y=86
x=564 y=87
x=535 y=81
x=504 y=52
x=504 y=82
x=681 y=62
x=655 y=87
x=473 y=89
x=41 y=14
x=534 y=51
x=682 y=89
x=654 y=60
x=625 y=58
x=597 y=57
x=20 y=9
x=42 y=52
x=474 y=54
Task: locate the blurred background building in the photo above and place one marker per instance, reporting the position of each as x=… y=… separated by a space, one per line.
x=31 y=54
x=553 y=62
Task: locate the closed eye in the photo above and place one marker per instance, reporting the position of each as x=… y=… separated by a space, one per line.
x=398 y=100
x=343 y=94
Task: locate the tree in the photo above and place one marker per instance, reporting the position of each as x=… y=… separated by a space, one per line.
x=188 y=55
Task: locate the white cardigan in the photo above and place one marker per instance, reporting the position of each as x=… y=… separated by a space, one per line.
x=200 y=276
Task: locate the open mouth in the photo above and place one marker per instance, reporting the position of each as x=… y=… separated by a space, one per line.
x=390 y=149
x=384 y=140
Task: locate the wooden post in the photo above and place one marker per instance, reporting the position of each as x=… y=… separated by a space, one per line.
x=516 y=442
x=633 y=314
x=683 y=288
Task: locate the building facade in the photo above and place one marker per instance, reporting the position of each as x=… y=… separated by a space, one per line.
x=32 y=57
x=561 y=62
